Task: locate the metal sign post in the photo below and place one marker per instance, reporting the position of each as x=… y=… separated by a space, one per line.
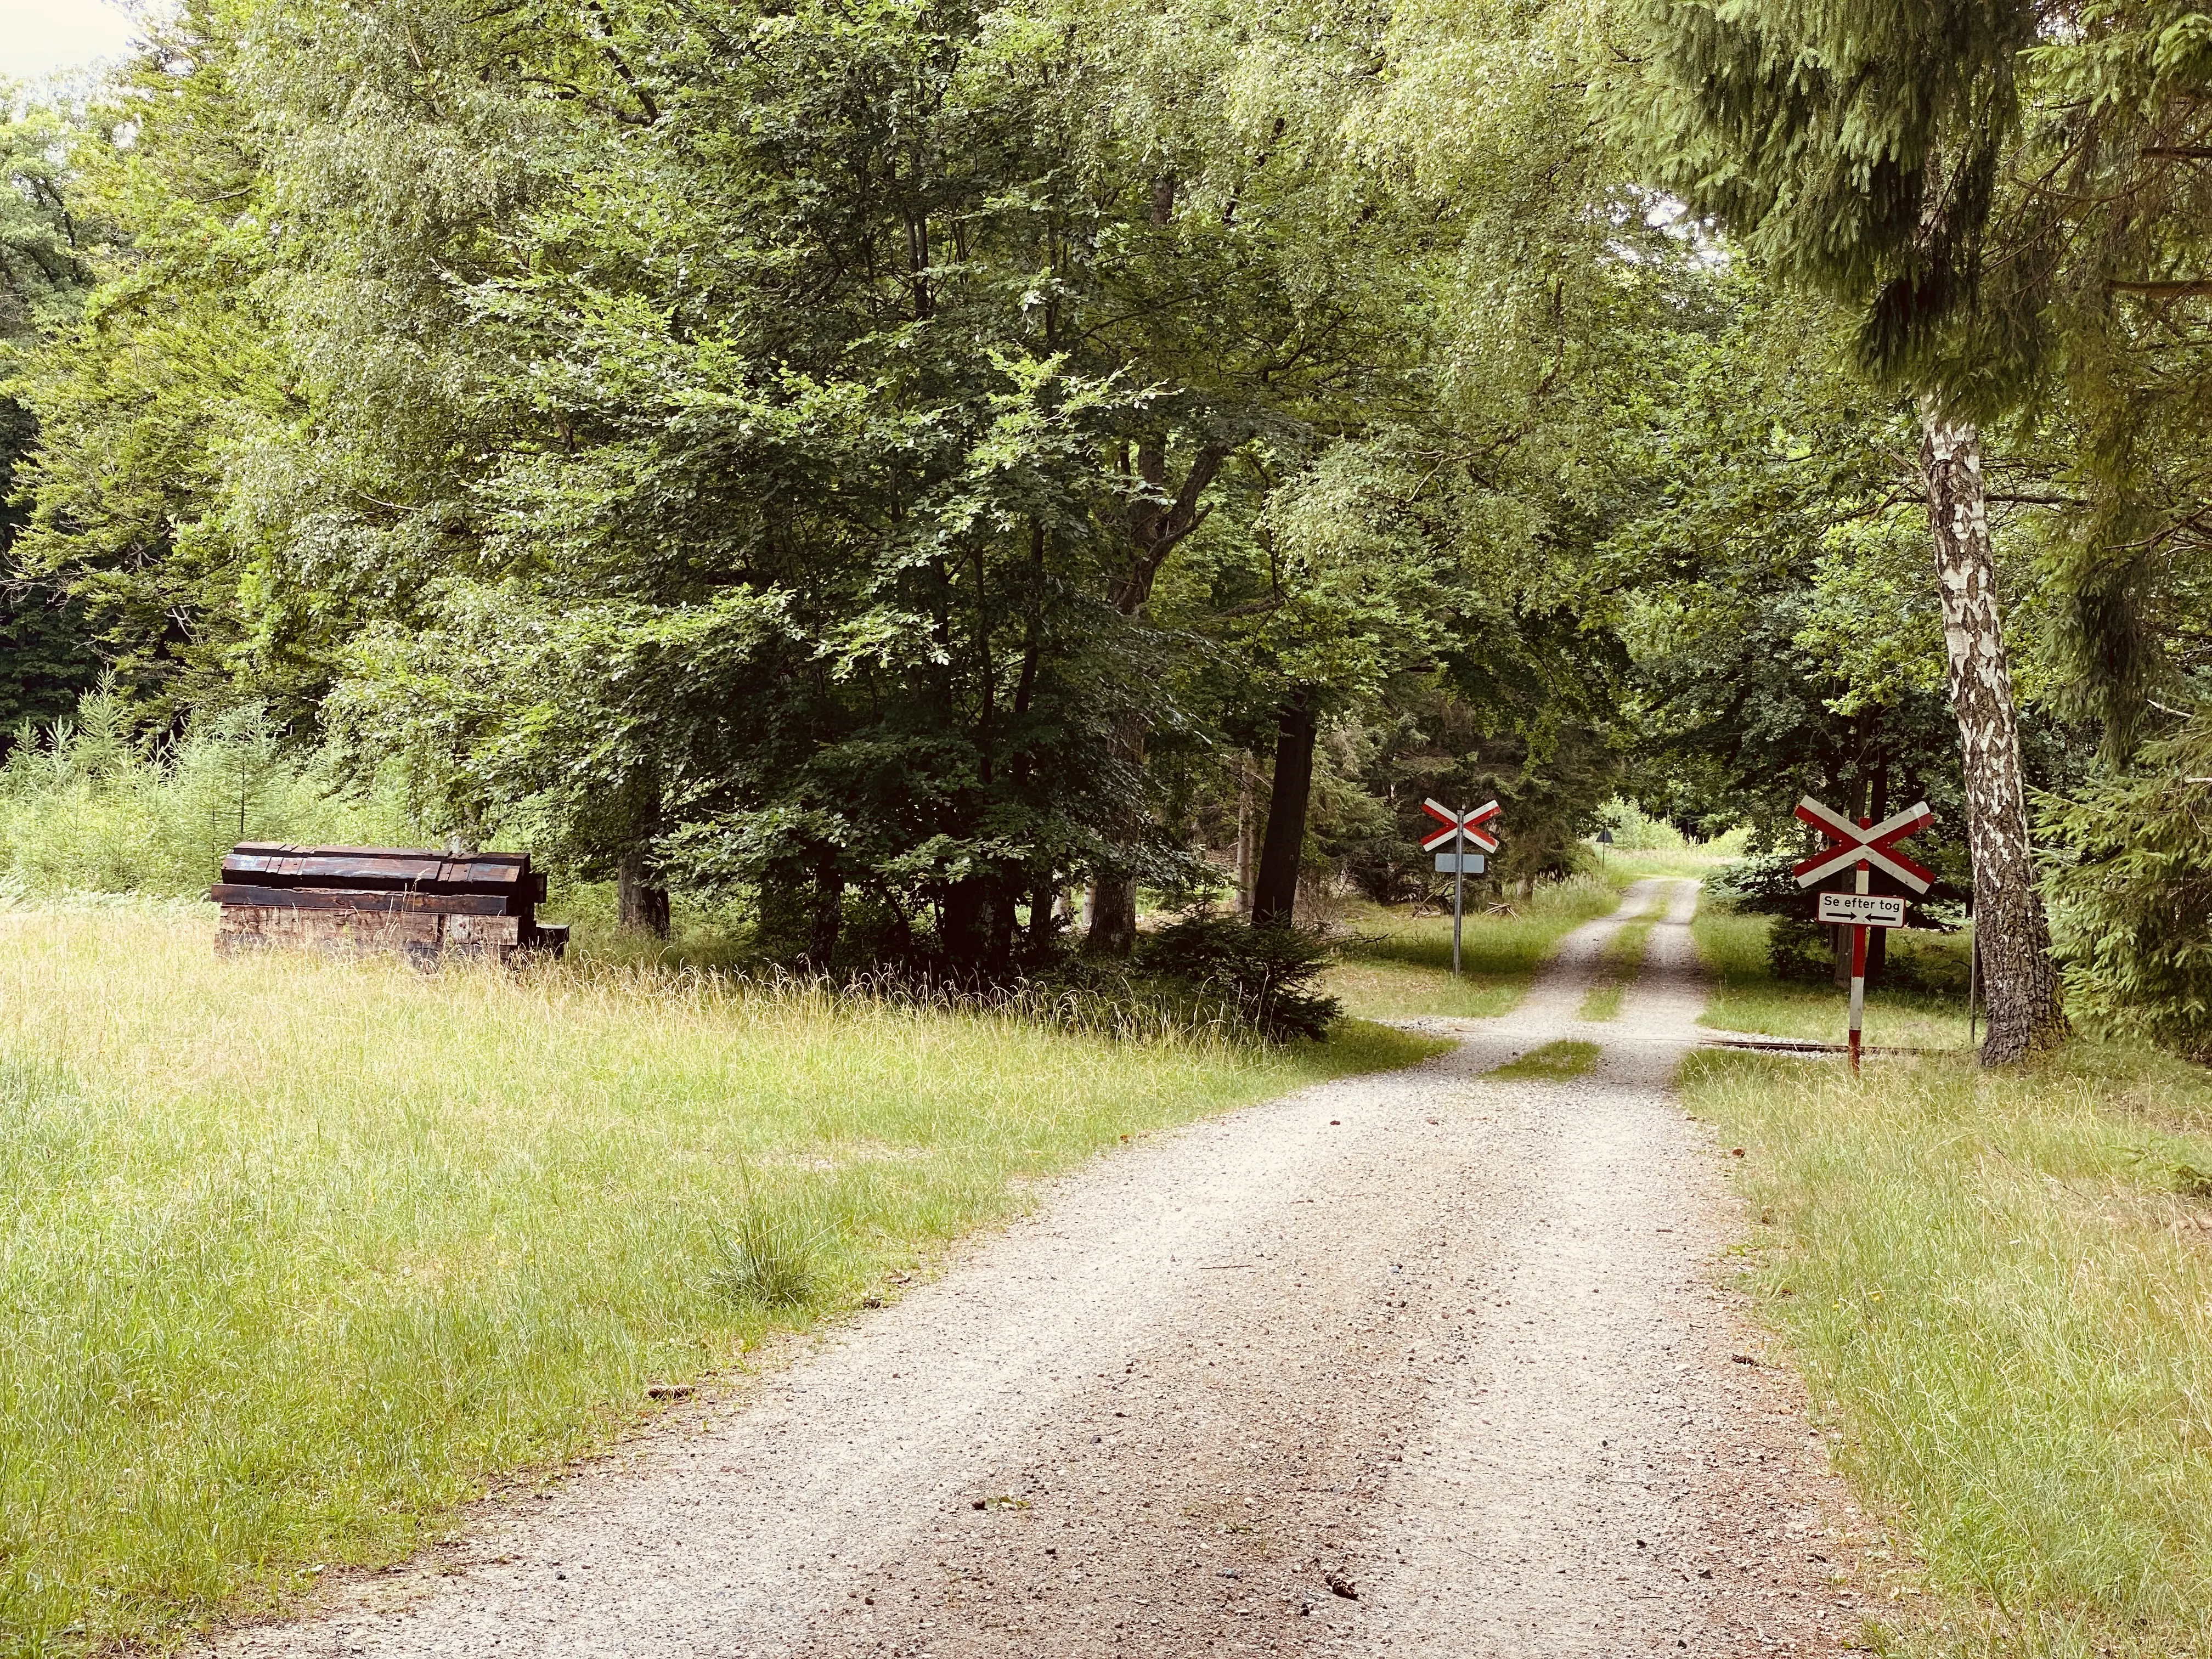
x=1460 y=832
x=1862 y=846
x=1459 y=905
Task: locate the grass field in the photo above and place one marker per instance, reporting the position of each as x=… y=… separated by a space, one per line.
x=1747 y=996
x=1399 y=966
x=298 y=1255
x=2001 y=1288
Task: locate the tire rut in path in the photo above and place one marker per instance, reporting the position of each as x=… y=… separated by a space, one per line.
x=1453 y=1338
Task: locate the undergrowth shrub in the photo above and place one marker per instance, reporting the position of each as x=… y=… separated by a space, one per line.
x=1263 y=976
x=94 y=805
x=2130 y=886
x=1633 y=831
x=1802 y=950
x=1207 y=978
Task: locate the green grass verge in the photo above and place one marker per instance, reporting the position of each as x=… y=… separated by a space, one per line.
x=1999 y=1287
x=1555 y=1061
x=1619 y=963
x=299 y=1255
x=1747 y=996
x=1603 y=1002
x=1398 y=966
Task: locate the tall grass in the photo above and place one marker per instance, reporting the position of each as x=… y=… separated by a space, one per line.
x=1398 y=966
x=2002 y=1288
x=1618 y=964
x=297 y=1254
x=96 y=806
x=1747 y=996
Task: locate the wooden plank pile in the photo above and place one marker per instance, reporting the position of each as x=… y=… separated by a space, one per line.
x=358 y=900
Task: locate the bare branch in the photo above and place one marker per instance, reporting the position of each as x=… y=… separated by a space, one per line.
x=2199 y=288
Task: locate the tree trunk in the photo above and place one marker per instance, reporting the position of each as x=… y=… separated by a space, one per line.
x=1244 y=770
x=1158 y=522
x=1113 y=917
x=969 y=924
x=1275 y=893
x=1110 y=929
x=1042 y=898
x=999 y=934
x=638 y=903
x=977 y=930
x=2021 y=985
x=901 y=925
x=829 y=914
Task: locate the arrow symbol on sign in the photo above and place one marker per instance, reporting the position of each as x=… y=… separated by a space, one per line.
x=1875 y=843
x=1455 y=826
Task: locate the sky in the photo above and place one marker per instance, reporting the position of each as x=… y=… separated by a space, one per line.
x=38 y=37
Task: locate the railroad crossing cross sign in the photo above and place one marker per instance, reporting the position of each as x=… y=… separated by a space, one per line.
x=1460 y=831
x=1459 y=826
x=1876 y=843
x=1864 y=846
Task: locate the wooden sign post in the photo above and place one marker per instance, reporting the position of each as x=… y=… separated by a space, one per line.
x=1866 y=845
x=1460 y=831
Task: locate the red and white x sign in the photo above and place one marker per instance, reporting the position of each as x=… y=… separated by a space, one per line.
x=1455 y=826
x=1875 y=843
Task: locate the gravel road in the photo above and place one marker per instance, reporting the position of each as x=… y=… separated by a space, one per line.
x=1454 y=1343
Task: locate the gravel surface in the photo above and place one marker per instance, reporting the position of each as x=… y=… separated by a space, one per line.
x=1418 y=1362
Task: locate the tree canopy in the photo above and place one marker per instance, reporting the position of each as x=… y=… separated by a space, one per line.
x=924 y=473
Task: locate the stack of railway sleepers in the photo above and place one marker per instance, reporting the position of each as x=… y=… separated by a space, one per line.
x=358 y=900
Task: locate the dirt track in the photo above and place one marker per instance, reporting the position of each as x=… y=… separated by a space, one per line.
x=1456 y=1341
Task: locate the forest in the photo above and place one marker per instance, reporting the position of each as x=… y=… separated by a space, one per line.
x=961 y=540
x=927 y=476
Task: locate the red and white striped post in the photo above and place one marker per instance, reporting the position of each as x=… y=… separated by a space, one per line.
x=1863 y=845
x=1859 y=965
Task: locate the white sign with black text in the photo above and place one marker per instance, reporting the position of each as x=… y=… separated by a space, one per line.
x=1865 y=909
